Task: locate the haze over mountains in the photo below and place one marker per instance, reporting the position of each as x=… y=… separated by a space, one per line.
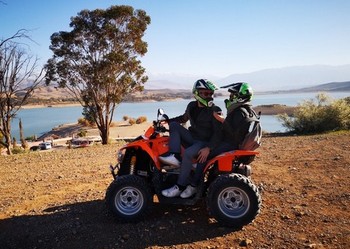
x=276 y=79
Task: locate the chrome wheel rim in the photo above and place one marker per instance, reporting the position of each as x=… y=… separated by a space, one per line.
x=129 y=200
x=233 y=202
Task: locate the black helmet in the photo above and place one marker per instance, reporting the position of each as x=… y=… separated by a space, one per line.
x=205 y=85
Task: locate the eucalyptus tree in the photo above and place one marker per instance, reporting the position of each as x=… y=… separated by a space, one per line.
x=20 y=75
x=98 y=61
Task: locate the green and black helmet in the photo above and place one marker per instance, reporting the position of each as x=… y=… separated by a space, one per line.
x=241 y=92
x=204 y=84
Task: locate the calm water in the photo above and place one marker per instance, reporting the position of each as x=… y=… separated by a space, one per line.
x=40 y=120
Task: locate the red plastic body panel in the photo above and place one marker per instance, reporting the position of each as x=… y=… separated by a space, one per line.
x=225 y=159
x=153 y=147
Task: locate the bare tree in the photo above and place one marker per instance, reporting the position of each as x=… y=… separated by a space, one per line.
x=19 y=76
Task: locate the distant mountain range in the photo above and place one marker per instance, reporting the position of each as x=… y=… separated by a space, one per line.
x=277 y=79
x=282 y=80
x=50 y=95
x=328 y=87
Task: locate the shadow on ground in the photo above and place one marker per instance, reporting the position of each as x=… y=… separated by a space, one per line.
x=89 y=225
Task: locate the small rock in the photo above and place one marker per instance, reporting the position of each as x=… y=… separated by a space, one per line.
x=245 y=242
x=285 y=217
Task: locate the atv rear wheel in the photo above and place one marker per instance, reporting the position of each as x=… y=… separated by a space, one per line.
x=128 y=197
x=233 y=200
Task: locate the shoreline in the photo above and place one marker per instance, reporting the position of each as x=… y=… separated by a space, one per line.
x=270 y=109
x=117 y=130
x=33 y=106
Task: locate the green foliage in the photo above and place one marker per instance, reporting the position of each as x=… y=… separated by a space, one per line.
x=98 y=60
x=89 y=115
x=318 y=116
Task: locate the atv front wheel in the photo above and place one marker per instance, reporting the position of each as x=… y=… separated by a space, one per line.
x=233 y=200
x=128 y=197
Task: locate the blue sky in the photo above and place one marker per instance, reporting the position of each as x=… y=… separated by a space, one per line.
x=207 y=37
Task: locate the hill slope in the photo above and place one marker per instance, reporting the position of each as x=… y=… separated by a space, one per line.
x=329 y=87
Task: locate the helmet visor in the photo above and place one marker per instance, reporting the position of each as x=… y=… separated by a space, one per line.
x=204 y=97
x=205 y=93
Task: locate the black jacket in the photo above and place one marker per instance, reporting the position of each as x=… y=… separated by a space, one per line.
x=203 y=125
x=235 y=126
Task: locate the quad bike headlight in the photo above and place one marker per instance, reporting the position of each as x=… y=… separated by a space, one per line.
x=120 y=155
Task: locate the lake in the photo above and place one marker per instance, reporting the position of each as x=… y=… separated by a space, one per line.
x=37 y=121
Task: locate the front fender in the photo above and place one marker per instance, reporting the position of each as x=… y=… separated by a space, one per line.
x=153 y=148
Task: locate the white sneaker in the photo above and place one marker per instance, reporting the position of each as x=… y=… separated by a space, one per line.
x=171 y=160
x=171 y=192
x=188 y=192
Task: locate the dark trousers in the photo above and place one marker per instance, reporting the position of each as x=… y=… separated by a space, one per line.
x=223 y=147
x=178 y=136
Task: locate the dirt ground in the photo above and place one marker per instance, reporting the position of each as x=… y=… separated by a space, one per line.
x=55 y=199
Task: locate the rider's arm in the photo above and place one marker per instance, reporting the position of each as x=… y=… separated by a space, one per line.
x=184 y=117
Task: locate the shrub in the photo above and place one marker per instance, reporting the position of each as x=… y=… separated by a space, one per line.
x=125 y=118
x=82 y=133
x=31 y=138
x=17 y=150
x=132 y=121
x=141 y=119
x=85 y=122
x=318 y=116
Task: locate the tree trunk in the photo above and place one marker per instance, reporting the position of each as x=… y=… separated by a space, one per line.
x=23 y=141
x=104 y=132
x=7 y=134
x=8 y=143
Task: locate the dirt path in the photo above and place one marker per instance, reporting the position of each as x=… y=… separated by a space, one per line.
x=56 y=200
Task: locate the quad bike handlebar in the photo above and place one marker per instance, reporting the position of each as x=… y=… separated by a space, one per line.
x=158 y=126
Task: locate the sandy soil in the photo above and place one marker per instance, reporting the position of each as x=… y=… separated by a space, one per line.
x=55 y=199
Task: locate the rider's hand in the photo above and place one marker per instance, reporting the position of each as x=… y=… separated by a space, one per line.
x=203 y=155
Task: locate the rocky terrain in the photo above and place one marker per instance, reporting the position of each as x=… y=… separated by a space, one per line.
x=55 y=199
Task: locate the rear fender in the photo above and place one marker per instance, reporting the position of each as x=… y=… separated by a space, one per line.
x=224 y=160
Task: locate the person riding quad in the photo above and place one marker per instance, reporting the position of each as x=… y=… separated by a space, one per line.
x=235 y=125
x=198 y=139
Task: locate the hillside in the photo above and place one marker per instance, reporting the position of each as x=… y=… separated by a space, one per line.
x=329 y=87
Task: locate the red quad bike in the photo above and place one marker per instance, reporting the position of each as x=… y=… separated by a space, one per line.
x=231 y=196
